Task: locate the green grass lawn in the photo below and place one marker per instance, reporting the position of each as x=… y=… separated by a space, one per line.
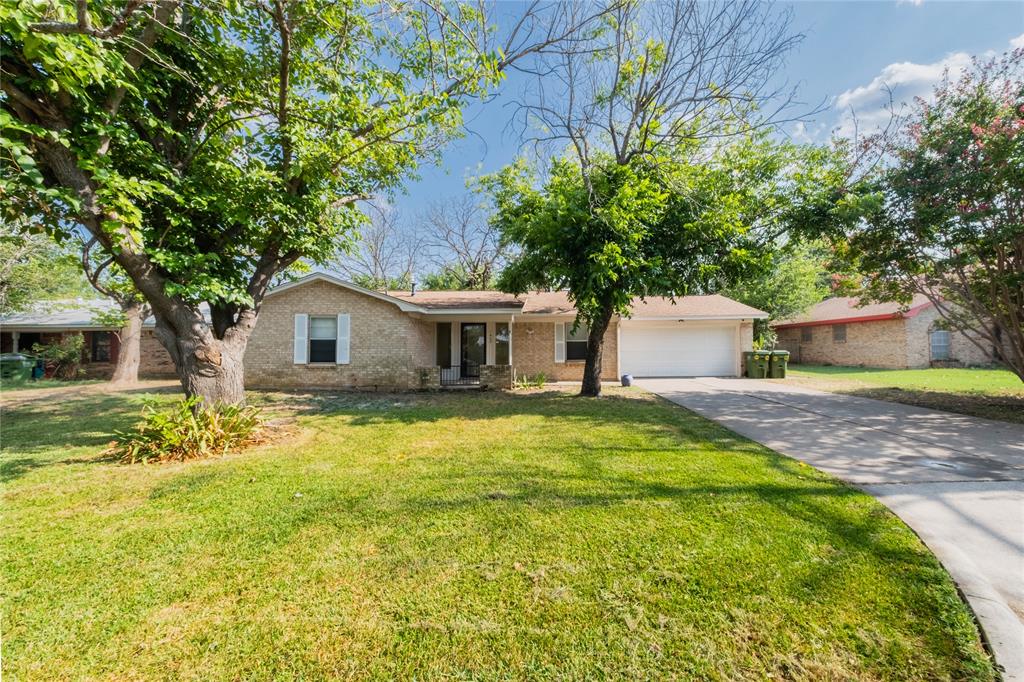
x=988 y=393
x=7 y=385
x=460 y=536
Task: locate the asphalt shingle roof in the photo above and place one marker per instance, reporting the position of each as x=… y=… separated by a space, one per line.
x=849 y=309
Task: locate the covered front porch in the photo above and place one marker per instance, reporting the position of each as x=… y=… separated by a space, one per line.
x=473 y=351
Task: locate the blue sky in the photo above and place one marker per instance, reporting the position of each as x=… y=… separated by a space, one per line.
x=851 y=49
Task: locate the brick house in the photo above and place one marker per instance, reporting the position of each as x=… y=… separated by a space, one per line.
x=321 y=331
x=19 y=332
x=838 y=331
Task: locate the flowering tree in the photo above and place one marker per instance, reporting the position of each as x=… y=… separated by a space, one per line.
x=945 y=217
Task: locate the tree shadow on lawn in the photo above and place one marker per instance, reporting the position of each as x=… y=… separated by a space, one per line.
x=36 y=435
x=1008 y=408
x=829 y=513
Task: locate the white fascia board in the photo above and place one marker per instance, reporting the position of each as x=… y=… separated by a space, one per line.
x=464 y=312
x=694 y=318
x=550 y=317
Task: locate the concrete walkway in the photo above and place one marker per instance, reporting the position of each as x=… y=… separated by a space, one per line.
x=958 y=481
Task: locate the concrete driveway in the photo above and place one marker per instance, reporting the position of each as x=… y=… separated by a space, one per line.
x=958 y=481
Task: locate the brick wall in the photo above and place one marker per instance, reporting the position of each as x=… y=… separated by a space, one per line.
x=872 y=344
x=898 y=344
x=430 y=377
x=533 y=352
x=387 y=347
x=154 y=362
x=495 y=377
x=961 y=349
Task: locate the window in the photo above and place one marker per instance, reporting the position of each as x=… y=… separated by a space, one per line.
x=502 y=338
x=444 y=344
x=576 y=342
x=839 y=333
x=806 y=334
x=323 y=339
x=938 y=340
x=100 y=347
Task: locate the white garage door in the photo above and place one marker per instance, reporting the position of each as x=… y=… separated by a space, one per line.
x=678 y=349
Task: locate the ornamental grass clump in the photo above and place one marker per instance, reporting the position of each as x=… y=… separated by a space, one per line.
x=189 y=431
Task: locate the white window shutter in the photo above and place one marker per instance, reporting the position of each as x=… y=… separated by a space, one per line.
x=300 y=340
x=559 y=342
x=344 y=332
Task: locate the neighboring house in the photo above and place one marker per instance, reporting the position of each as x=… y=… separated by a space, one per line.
x=838 y=331
x=49 y=323
x=322 y=331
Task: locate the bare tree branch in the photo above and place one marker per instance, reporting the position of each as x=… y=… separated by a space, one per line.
x=460 y=237
x=657 y=74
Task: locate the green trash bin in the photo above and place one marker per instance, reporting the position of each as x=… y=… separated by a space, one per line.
x=16 y=366
x=779 y=362
x=757 y=363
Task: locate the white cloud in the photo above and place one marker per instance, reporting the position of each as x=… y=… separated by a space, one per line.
x=866 y=108
x=804 y=133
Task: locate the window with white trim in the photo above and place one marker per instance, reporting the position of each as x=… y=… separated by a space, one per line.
x=576 y=341
x=323 y=339
x=502 y=339
x=938 y=341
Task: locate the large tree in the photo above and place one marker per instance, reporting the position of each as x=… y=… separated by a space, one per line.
x=632 y=209
x=943 y=206
x=107 y=278
x=384 y=255
x=690 y=221
x=209 y=147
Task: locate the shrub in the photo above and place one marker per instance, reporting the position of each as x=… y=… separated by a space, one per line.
x=65 y=355
x=189 y=431
x=537 y=381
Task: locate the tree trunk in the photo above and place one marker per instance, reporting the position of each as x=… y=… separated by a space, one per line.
x=595 y=347
x=126 y=371
x=208 y=367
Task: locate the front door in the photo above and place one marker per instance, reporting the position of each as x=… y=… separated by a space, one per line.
x=474 y=348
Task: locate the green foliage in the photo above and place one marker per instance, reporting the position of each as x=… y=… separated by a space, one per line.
x=65 y=355
x=795 y=278
x=455 y=277
x=538 y=380
x=693 y=221
x=190 y=430
x=941 y=216
x=402 y=283
x=219 y=152
x=34 y=269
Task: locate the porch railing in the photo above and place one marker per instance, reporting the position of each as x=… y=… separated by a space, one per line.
x=464 y=375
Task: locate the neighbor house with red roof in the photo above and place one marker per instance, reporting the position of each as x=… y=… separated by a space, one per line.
x=841 y=331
